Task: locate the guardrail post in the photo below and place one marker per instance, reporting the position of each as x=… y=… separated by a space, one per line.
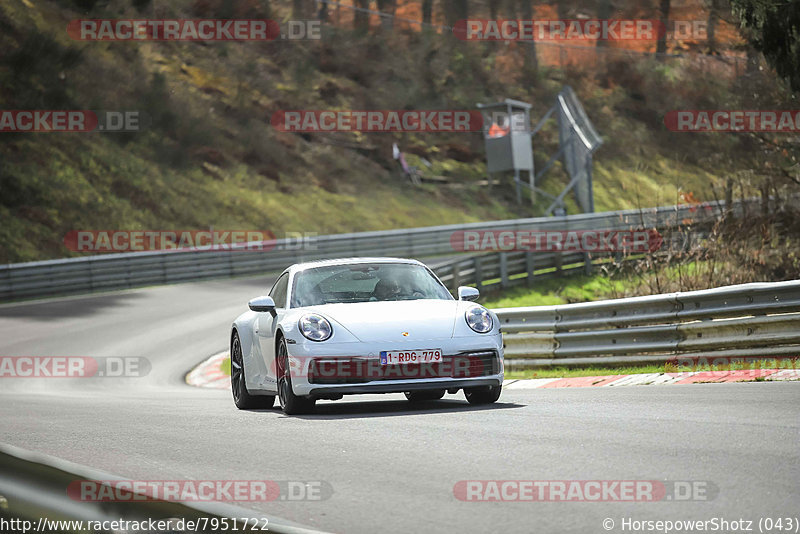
x=163 y=270
x=529 y=267
x=476 y=262
x=557 y=261
x=91 y=277
x=504 y=269
x=456 y=277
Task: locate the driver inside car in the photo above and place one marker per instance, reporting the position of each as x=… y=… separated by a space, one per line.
x=386 y=289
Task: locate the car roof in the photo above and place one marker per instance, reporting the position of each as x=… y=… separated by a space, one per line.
x=348 y=261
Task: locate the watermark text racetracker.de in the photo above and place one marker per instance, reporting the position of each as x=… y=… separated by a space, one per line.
x=442 y=120
x=199 y=490
x=733 y=120
x=73 y=367
x=558 y=30
x=631 y=241
x=584 y=490
x=192 y=30
x=40 y=121
x=579 y=30
x=407 y=365
x=94 y=241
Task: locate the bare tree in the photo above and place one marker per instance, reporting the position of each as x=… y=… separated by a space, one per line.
x=427 y=11
x=456 y=10
x=711 y=26
x=526 y=12
x=661 y=45
x=604 y=10
x=361 y=18
x=299 y=9
x=387 y=6
x=493 y=5
x=562 y=9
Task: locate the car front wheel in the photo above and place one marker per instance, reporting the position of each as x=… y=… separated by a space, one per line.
x=291 y=404
x=483 y=394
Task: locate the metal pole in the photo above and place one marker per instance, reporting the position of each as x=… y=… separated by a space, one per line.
x=504 y=269
x=478 y=272
x=529 y=267
x=533 y=188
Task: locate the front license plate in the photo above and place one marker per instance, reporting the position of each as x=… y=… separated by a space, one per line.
x=391 y=357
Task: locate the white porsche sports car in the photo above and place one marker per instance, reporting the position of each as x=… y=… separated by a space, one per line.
x=364 y=325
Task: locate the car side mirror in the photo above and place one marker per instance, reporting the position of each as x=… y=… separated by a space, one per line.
x=468 y=293
x=263 y=304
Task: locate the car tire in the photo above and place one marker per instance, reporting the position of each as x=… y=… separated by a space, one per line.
x=241 y=397
x=483 y=394
x=424 y=395
x=291 y=404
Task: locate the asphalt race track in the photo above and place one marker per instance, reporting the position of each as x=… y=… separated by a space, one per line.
x=392 y=468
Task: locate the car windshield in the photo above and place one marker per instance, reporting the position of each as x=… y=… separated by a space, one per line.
x=365 y=282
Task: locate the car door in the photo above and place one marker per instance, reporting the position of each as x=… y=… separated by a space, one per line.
x=266 y=326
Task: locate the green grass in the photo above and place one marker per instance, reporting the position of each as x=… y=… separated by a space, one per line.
x=557 y=291
x=225 y=366
x=568 y=372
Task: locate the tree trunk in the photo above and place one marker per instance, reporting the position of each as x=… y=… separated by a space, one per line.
x=387 y=6
x=604 y=11
x=427 y=11
x=728 y=198
x=661 y=46
x=753 y=60
x=456 y=10
x=713 y=16
x=531 y=61
x=562 y=9
x=493 y=4
x=298 y=9
x=361 y=18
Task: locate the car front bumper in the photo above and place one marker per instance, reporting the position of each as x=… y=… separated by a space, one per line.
x=306 y=378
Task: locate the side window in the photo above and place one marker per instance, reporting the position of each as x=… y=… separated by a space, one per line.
x=278 y=292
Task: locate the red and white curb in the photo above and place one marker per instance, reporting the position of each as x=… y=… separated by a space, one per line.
x=209 y=375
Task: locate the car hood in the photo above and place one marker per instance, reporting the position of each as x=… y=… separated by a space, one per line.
x=387 y=321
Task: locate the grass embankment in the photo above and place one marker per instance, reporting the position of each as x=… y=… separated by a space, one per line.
x=208 y=156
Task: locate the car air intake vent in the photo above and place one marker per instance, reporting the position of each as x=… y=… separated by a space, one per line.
x=360 y=370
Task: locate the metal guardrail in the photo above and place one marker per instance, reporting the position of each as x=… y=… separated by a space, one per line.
x=741 y=322
x=500 y=270
x=35 y=486
x=128 y=270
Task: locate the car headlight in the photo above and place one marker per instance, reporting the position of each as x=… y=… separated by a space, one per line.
x=315 y=327
x=479 y=319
